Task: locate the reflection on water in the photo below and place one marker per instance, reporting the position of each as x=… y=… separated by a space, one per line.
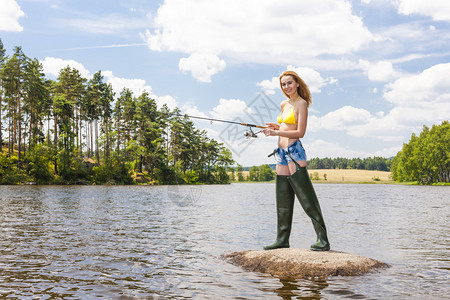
x=165 y=242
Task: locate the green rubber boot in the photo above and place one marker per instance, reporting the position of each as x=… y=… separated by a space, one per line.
x=303 y=188
x=285 y=208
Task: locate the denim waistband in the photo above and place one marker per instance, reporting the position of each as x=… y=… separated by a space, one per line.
x=293 y=145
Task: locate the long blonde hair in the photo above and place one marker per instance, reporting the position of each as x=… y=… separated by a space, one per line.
x=302 y=89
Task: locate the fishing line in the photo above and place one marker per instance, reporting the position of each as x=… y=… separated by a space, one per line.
x=249 y=133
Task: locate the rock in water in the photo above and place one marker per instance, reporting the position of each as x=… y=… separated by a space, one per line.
x=300 y=263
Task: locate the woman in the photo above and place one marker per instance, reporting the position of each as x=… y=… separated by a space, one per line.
x=292 y=178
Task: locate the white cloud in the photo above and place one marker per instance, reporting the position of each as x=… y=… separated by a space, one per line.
x=358 y=122
x=230 y=109
x=137 y=86
x=193 y=110
x=168 y=100
x=269 y=86
x=386 y=152
x=52 y=66
x=202 y=66
x=10 y=13
x=425 y=90
x=268 y=32
x=439 y=10
x=311 y=77
x=380 y=70
x=344 y=118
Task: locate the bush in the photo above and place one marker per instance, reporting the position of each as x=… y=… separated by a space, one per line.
x=111 y=173
x=38 y=164
x=190 y=177
x=314 y=176
x=9 y=172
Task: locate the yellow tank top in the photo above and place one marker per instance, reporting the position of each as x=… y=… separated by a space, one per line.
x=289 y=118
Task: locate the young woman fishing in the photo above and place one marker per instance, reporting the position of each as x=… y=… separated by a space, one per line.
x=292 y=177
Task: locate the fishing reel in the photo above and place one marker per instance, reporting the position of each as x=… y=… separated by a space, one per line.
x=250 y=134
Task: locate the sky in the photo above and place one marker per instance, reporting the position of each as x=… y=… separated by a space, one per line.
x=378 y=70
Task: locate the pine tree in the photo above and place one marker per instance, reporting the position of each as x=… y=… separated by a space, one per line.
x=2 y=60
x=36 y=101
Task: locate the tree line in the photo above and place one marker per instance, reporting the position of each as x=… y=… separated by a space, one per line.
x=425 y=158
x=369 y=163
x=75 y=130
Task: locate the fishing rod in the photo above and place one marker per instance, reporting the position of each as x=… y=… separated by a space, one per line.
x=249 y=133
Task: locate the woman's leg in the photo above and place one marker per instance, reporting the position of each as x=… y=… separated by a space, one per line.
x=292 y=167
x=283 y=170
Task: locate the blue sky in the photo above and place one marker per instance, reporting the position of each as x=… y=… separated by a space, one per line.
x=378 y=69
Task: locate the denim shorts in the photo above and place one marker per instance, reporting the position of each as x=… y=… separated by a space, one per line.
x=295 y=149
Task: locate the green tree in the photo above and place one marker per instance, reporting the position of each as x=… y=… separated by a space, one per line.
x=266 y=173
x=36 y=101
x=72 y=87
x=239 y=170
x=224 y=161
x=94 y=98
x=2 y=60
x=150 y=135
x=106 y=114
x=425 y=158
x=119 y=118
x=253 y=174
x=67 y=98
x=13 y=76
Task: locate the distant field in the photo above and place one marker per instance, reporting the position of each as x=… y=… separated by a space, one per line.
x=350 y=175
x=346 y=175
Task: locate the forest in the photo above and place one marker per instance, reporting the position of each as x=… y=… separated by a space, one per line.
x=77 y=131
x=425 y=159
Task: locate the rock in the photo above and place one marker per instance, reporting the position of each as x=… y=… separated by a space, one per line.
x=300 y=263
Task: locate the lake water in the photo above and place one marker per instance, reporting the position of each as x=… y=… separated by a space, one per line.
x=166 y=242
